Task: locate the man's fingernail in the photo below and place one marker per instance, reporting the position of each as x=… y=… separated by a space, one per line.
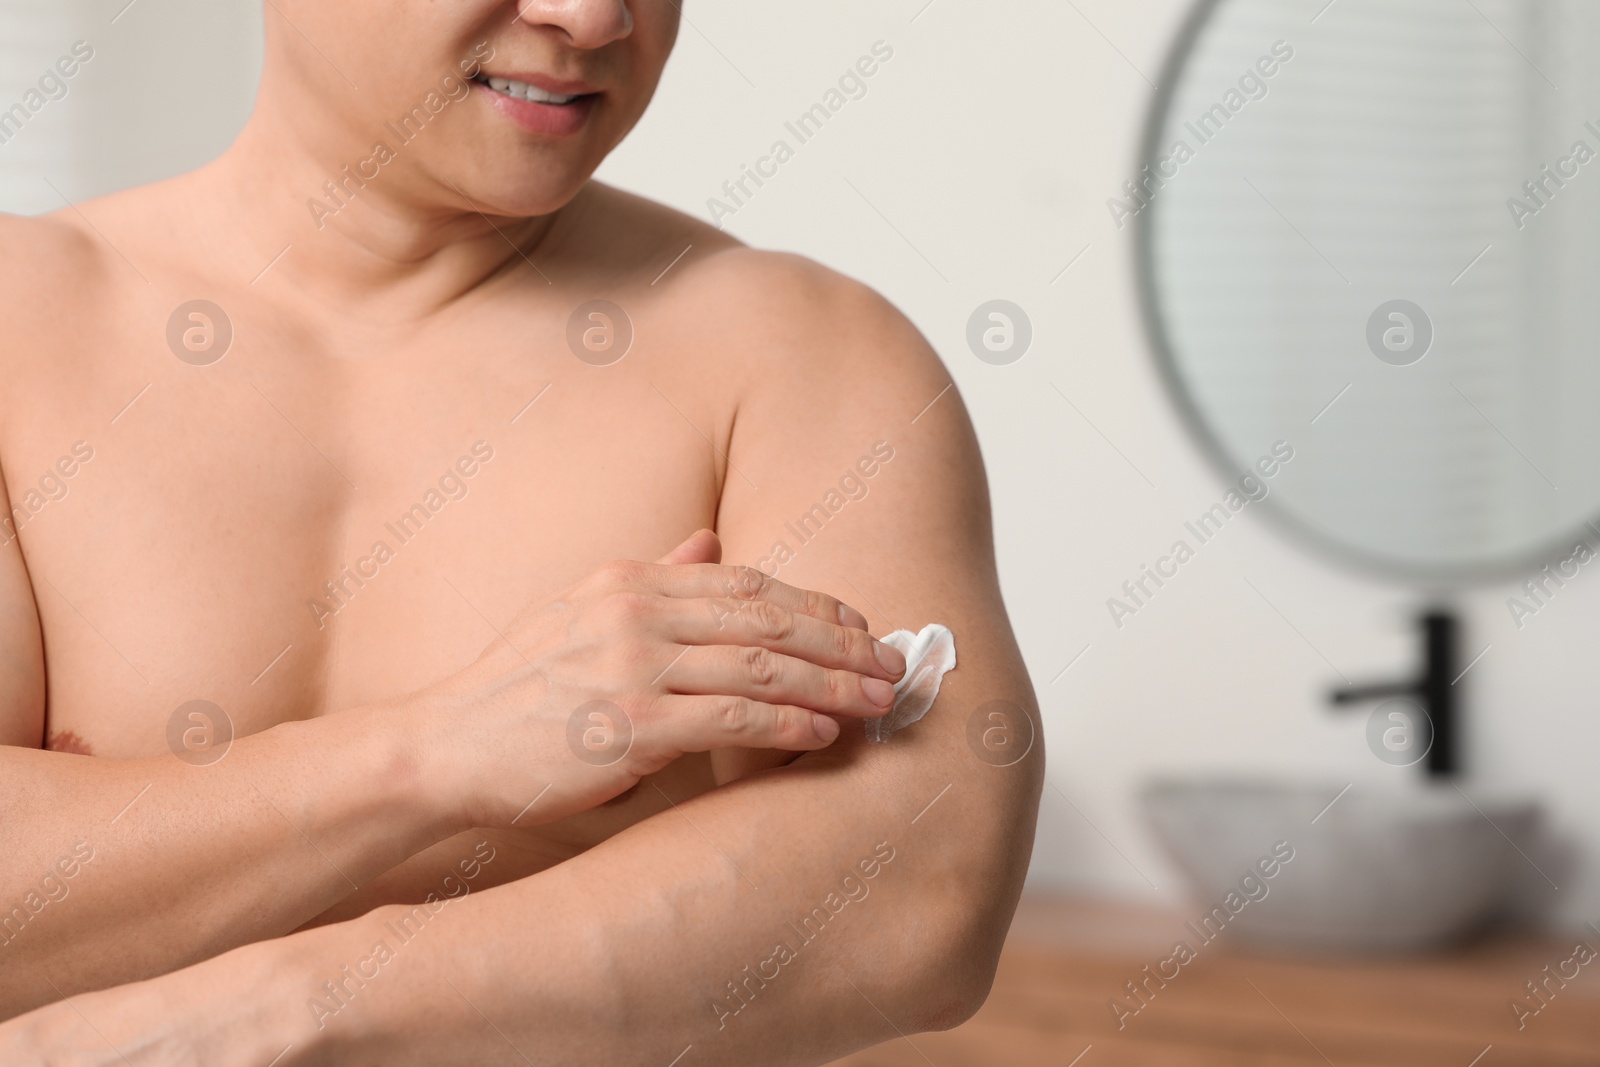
x=890 y=658
x=826 y=728
x=878 y=691
x=849 y=616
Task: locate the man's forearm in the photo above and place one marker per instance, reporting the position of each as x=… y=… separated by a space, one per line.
x=785 y=919
x=122 y=869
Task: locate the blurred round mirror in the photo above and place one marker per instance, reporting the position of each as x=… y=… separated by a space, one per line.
x=1369 y=236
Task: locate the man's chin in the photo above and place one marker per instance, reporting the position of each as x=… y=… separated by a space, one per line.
x=514 y=176
x=515 y=191
x=518 y=202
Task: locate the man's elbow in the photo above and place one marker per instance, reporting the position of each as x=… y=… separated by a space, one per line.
x=964 y=930
x=956 y=980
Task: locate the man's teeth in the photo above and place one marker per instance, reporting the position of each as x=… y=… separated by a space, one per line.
x=524 y=91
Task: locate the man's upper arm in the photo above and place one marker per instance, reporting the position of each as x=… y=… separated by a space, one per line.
x=858 y=474
x=857 y=470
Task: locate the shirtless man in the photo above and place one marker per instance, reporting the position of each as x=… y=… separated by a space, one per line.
x=366 y=504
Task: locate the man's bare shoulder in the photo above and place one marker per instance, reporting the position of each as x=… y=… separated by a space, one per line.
x=36 y=252
x=771 y=323
x=49 y=271
x=48 y=264
x=790 y=328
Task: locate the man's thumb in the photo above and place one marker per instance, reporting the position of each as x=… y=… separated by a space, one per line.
x=702 y=546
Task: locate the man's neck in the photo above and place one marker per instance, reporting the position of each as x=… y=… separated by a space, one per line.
x=400 y=247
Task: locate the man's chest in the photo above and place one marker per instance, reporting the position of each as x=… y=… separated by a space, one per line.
x=282 y=544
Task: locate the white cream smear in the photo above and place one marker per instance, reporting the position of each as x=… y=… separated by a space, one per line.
x=929 y=655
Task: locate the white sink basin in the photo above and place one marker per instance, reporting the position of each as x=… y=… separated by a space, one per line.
x=1381 y=870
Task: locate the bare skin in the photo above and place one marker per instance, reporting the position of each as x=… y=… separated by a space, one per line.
x=410 y=723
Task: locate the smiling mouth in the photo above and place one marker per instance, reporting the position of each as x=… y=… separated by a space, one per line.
x=532 y=93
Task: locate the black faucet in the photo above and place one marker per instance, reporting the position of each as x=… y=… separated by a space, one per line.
x=1434 y=690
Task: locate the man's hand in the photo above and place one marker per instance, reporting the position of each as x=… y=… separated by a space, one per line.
x=636 y=665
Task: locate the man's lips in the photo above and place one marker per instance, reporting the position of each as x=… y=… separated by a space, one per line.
x=540 y=104
x=539 y=87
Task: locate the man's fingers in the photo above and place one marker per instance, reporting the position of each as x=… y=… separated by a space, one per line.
x=706 y=580
x=704 y=723
x=763 y=675
x=767 y=625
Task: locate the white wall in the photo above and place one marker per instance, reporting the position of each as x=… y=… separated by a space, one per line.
x=170 y=83
x=990 y=143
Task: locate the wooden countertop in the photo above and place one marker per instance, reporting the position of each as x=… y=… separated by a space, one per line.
x=1067 y=958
